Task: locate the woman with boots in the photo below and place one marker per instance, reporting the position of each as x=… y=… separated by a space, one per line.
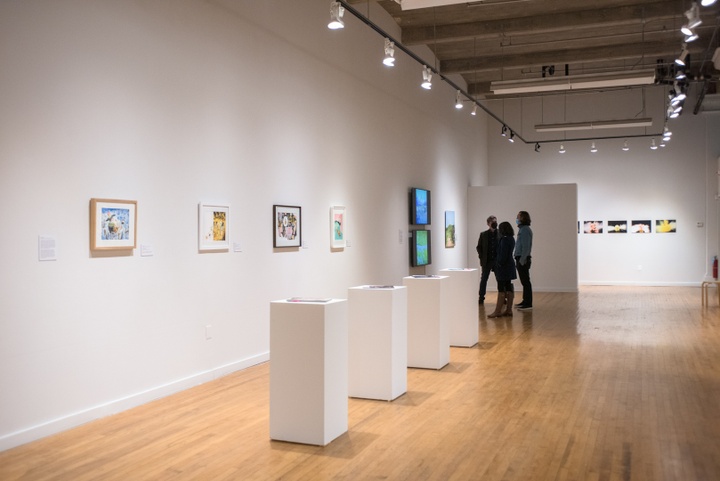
x=504 y=270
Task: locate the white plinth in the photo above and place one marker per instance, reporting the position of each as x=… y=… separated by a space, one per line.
x=463 y=306
x=377 y=355
x=428 y=334
x=308 y=371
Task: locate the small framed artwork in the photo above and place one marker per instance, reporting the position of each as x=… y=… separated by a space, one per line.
x=641 y=226
x=593 y=227
x=449 y=228
x=286 y=226
x=113 y=224
x=420 y=249
x=666 y=226
x=338 y=227
x=213 y=227
x=617 y=227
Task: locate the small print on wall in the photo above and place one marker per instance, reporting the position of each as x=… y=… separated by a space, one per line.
x=593 y=227
x=286 y=226
x=113 y=224
x=338 y=227
x=641 y=226
x=617 y=227
x=449 y=228
x=665 y=226
x=213 y=227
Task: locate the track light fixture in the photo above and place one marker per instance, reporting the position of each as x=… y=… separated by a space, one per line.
x=625 y=146
x=504 y=131
x=474 y=110
x=511 y=139
x=537 y=147
x=653 y=145
x=336 y=14
x=693 y=16
x=458 y=100
x=682 y=59
x=707 y=3
x=678 y=93
x=427 y=78
x=667 y=134
x=562 y=149
x=692 y=37
x=389 y=59
x=593 y=149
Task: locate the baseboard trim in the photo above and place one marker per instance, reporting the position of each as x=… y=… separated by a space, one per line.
x=70 y=421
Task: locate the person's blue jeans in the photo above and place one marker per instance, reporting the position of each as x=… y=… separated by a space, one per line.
x=524 y=276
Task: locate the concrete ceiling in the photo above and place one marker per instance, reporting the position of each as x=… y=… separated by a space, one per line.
x=494 y=40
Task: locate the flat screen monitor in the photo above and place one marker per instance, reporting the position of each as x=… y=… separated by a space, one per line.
x=420 y=248
x=419 y=206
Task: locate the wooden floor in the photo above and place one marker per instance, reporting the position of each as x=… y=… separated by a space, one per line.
x=613 y=383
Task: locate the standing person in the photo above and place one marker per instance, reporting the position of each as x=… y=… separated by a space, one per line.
x=486 y=246
x=505 y=270
x=523 y=259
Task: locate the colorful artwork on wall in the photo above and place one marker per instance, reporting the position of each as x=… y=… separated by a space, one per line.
x=449 y=228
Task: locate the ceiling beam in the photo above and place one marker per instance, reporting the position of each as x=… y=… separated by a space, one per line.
x=651 y=50
x=603 y=17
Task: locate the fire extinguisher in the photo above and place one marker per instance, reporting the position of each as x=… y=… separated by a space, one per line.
x=715 y=267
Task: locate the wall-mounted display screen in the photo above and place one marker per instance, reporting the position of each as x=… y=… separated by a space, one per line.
x=420 y=248
x=419 y=206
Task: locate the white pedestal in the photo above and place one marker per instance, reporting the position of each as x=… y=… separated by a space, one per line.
x=308 y=371
x=377 y=366
x=428 y=334
x=463 y=307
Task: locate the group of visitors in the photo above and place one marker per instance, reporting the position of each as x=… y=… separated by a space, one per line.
x=499 y=252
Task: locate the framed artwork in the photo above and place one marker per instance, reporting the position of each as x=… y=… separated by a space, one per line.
x=420 y=206
x=449 y=228
x=213 y=227
x=338 y=226
x=641 y=227
x=593 y=227
x=420 y=248
x=113 y=224
x=286 y=226
x=665 y=226
x=617 y=227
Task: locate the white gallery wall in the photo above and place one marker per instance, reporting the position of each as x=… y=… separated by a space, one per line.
x=677 y=182
x=172 y=103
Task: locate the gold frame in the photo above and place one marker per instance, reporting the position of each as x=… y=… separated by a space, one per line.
x=97 y=243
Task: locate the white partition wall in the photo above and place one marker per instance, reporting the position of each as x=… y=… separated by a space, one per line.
x=553 y=209
x=428 y=334
x=463 y=306
x=377 y=366
x=308 y=371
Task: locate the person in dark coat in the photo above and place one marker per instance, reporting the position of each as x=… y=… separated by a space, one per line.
x=487 y=243
x=505 y=270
